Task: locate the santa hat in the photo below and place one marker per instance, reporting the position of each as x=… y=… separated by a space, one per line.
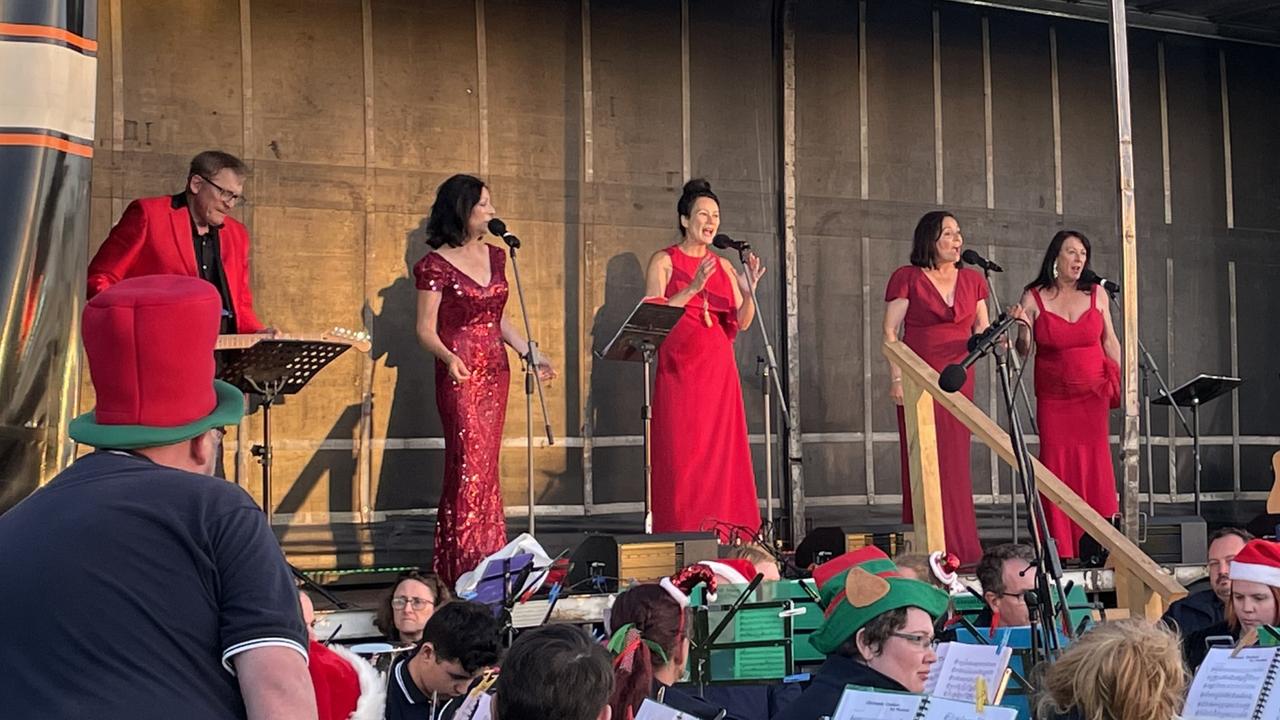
x=735 y=571
x=680 y=586
x=1258 y=562
x=347 y=687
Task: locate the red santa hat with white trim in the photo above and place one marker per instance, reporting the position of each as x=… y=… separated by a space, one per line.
x=735 y=571
x=1258 y=561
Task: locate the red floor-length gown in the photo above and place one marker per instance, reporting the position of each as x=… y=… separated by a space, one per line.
x=470 y=524
x=939 y=334
x=702 y=470
x=1073 y=395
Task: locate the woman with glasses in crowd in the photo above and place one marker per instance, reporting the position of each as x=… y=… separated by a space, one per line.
x=410 y=604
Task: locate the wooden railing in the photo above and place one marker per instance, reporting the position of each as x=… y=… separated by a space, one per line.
x=1142 y=586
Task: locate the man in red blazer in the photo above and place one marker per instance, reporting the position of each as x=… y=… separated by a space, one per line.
x=187 y=234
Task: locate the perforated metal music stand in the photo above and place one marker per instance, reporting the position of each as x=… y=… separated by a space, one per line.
x=638 y=340
x=1192 y=394
x=273 y=368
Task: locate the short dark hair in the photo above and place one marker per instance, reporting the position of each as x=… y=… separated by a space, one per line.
x=1220 y=533
x=211 y=162
x=554 y=671
x=385 y=620
x=924 y=251
x=875 y=634
x=466 y=633
x=455 y=199
x=1044 y=280
x=694 y=189
x=991 y=566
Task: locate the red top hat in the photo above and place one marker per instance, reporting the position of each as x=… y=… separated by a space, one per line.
x=150 y=344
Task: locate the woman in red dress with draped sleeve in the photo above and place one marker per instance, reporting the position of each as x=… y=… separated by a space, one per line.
x=702 y=472
x=1077 y=356
x=939 y=306
x=462 y=289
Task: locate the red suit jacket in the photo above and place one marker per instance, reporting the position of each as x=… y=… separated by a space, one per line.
x=154 y=238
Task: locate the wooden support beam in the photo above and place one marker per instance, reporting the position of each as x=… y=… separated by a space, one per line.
x=1125 y=554
x=926 y=483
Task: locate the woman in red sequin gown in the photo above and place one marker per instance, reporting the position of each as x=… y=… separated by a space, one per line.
x=702 y=472
x=1077 y=375
x=462 y=289
x=939 y=307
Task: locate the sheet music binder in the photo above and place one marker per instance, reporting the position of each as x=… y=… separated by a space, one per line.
x=1266 y=690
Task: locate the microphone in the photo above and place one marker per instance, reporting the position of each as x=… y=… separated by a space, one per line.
x=1094 y=278
x=724 y=242
x=953 y=376
x=973 y=258
x=499 y=228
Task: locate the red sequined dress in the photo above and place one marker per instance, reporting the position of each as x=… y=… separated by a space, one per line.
x=470 y=524
x=702 y=470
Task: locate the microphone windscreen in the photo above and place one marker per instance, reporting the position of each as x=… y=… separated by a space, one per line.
x=971 y=257
x=1090 y=277
x=497 y=227
x=722 y=241
x=952 y=378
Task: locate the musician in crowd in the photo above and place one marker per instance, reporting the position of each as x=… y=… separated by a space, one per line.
x=1006 y=574
x=1255 y=600
x=1077 y=372
x=938 y=306
x=346 y=686
x=462 y=289
x=878 y=631
x=1208 y=607
x=649 y=626
x=461 y=640
x=554 y=671
x=410 y=604
x=702 y=471
x=189 y=233
x=1122 y=669
x=138 y=585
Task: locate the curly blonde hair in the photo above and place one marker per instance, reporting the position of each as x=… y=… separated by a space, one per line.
x=1122 y=670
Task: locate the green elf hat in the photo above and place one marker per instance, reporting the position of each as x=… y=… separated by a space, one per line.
x=861 y=585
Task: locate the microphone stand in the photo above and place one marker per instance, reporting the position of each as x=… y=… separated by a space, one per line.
x=1149 y=366
x=770 y=370
x=1048 y=565
x=531 y=379
x=1021 y=392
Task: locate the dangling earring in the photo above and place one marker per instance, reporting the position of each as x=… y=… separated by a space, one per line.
x=1055 y=271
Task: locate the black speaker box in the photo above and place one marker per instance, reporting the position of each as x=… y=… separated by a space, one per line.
x=1169 y=540
x=635 y=557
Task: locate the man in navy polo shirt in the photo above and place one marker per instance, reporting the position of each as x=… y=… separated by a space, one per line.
x=459 y=641
x=136 y=585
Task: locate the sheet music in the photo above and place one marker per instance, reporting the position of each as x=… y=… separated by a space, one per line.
x=1227 y=688
x=959 y=666
x=866 y=705
x=944 y=709
x=650 y=710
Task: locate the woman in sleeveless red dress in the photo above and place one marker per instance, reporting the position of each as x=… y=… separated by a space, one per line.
x=939 y=307
x=702 y=476
x=1077 y=381
x=462 y=289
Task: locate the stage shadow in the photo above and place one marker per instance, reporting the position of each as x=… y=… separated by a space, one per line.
x=617 y=388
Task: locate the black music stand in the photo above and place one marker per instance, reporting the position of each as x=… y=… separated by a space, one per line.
x=637 y=341
x=1192 y=394
x=273 y=368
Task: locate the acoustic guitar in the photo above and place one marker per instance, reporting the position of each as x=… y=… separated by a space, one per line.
x=1273 y=500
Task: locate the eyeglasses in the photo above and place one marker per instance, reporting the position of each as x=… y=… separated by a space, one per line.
x=922 y=641
x=225 y=195
x=1017 y=595
x=400 y=601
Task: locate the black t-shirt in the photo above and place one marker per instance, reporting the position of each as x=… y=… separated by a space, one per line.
x=404 y=700
x=129 y=587
x=208 y=250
